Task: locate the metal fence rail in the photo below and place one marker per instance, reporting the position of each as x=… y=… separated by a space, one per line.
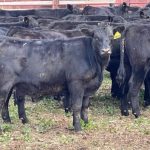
x=14 y=4
x=29 y=4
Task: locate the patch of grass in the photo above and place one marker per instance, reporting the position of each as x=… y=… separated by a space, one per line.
x=26 y=130
x=13 y=110
x=141 y=124
x=92 y=125
x=6 y=127
x=66 y=139
x=5 y=137
x=104 y=105
x=44 y=125
x=48 y=105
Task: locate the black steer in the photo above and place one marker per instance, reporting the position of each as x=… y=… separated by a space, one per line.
x=134 y=65
x=19 y=32
x=32 y=66
x=41 y=13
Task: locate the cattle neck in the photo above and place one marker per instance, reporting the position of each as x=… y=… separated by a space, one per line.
x=98 y=62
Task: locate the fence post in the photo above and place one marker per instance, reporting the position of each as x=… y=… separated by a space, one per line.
x=55 y=4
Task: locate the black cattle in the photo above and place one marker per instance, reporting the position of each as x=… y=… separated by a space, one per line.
x=147 y=5
x=16 y=13
x=46 y=22
x=114 y=61
x=24 y=33
x=144 y=12
x=134 y=65
x=113 y=66
x=5 y=19
x=42 y=13
x=103 y=11
x=121 y=10
x=88 y=18
x=97 y=47
x=38 y=12
x=69 y=25
x=64 y=25
x=56 y=13
x=125 y=10
x=147 y=90
x=23 y=22
x=10 y=19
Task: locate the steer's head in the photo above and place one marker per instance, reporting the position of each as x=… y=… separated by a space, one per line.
x=74 y=9
x=101 y=35
x=101 y=42
x=29 y=21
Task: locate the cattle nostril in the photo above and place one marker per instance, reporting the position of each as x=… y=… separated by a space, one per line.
x=106 y=51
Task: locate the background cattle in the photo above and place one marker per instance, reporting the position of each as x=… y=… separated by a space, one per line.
x=133 y=71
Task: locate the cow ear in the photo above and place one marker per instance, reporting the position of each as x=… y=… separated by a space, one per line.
x=119 y=29
x=110 y=18
x=70 y=7
x=87 y=32
x=26 y=20
x=141 y=14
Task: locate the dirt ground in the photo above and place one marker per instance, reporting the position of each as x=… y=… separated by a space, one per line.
x=49 y=128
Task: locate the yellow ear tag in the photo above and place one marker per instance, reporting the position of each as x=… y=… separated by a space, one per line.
x=117 y=35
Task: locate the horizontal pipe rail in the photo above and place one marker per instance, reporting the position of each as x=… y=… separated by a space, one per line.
x=60 y=3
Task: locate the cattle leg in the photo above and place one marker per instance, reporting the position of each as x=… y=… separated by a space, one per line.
x=124 y=102
x=5 y=112
x=76 y=94
x=147 y=92
x=3 y=96
x=20 y=99
x=115 y=89
x=84 y=110
x=67 y=103
x=113 y=86
x=124 y=90
x=135 y=83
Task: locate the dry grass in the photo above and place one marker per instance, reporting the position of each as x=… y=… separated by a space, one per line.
x=50 y=129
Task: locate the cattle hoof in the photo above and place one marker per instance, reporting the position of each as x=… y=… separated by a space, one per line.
x=77 y=128
x=146 y=104
x=24 y=120
x=136 y=115
x=125 y=113
x=7 y=120
x=66 y=110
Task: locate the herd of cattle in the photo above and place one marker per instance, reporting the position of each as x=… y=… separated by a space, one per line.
x=63 y=52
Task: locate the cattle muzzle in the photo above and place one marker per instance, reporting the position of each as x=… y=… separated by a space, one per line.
x=106 y=51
